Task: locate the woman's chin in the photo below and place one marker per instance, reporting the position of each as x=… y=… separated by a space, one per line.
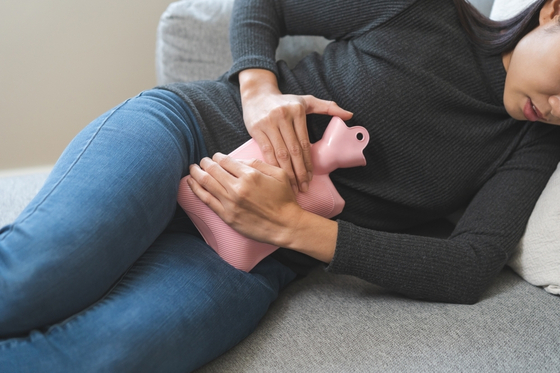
x=514 y=112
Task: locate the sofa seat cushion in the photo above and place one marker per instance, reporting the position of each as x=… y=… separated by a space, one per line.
x=333 y=323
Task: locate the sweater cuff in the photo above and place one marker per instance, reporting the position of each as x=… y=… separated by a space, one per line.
x=251 y=62
x=342 y=256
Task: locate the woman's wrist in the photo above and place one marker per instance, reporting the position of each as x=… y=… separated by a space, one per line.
x=315 y=236
x=253 y=82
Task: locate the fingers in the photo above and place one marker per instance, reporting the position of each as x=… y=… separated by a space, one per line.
x=222 y=180
x=219 y=176
x=284 y=142
x=304 y=167
x=264 y=168
x=215 y=182
x=206 y=187
x=297 y=161
x=266 y=147
x=281 y=133
x=318 y=106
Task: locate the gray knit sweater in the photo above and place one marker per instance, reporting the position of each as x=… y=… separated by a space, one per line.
x=440 y=136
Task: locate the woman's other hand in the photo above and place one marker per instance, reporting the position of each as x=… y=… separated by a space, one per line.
x=257 y=201
x=277 y=122
x=252 y=197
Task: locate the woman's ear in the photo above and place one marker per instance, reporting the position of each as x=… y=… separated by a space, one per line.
x=549 y=11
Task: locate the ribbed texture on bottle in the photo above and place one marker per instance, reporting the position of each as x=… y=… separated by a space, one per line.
x=241 y=252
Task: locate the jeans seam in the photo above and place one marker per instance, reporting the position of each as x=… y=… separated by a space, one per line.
x=67 y=171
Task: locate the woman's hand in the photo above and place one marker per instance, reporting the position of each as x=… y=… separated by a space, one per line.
x=277 y=122
x=256 y=200
x=252 y=197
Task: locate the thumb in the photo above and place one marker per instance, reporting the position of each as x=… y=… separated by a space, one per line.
x=317 y=106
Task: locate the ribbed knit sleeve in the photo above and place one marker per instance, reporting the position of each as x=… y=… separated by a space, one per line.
x=257 y=25
x=460 y=268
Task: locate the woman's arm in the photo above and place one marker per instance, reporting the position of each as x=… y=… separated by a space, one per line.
x=277 y=122
x=458 y=269
x=257 y=25
x=256 y=200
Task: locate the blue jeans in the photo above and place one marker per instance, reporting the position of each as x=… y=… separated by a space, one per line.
x=102 y=272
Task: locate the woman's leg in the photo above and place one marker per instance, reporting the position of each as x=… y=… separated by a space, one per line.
x=110 y=195
x=178 y=307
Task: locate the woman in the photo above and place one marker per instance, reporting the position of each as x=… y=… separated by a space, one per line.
x=109 y=275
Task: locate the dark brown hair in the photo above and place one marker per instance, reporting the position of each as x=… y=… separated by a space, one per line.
x=495 y=37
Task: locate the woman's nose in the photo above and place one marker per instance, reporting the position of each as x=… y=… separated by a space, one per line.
x=554 y=102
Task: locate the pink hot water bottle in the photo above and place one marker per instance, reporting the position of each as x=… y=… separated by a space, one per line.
x=340 y=147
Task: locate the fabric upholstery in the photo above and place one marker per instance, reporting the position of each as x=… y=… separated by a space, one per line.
x=16 y=192
x=329 y=323
x=193 y=42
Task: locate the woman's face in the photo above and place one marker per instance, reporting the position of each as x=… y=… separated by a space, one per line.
x=532 y=88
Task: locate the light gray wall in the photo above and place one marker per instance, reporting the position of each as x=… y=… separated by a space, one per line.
x=65 y=62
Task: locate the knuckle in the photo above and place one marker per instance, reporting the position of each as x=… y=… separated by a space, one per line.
x=301 y=175
x=211 y=168
x=228 y=217
x=305 y=145
x=309 y=165
x=282 y=154
x=267 y=149
x=241 y=193
x=205 y=199
x=204 y=180
x=255 y=162
x=298 y=108
x=295 y=150
x=252 y=175
x=279 y=112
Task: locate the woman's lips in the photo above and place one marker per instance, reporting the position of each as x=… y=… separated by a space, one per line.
x=531 y=112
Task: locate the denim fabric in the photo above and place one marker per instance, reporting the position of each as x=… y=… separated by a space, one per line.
x=102 y=272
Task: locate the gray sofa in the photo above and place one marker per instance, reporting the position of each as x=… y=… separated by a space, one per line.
x=329 y=323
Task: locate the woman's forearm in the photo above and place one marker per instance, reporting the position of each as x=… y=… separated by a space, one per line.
x=315 y=236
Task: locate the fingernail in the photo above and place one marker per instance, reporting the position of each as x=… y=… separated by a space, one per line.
x=295 y=189
x=304 y=187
